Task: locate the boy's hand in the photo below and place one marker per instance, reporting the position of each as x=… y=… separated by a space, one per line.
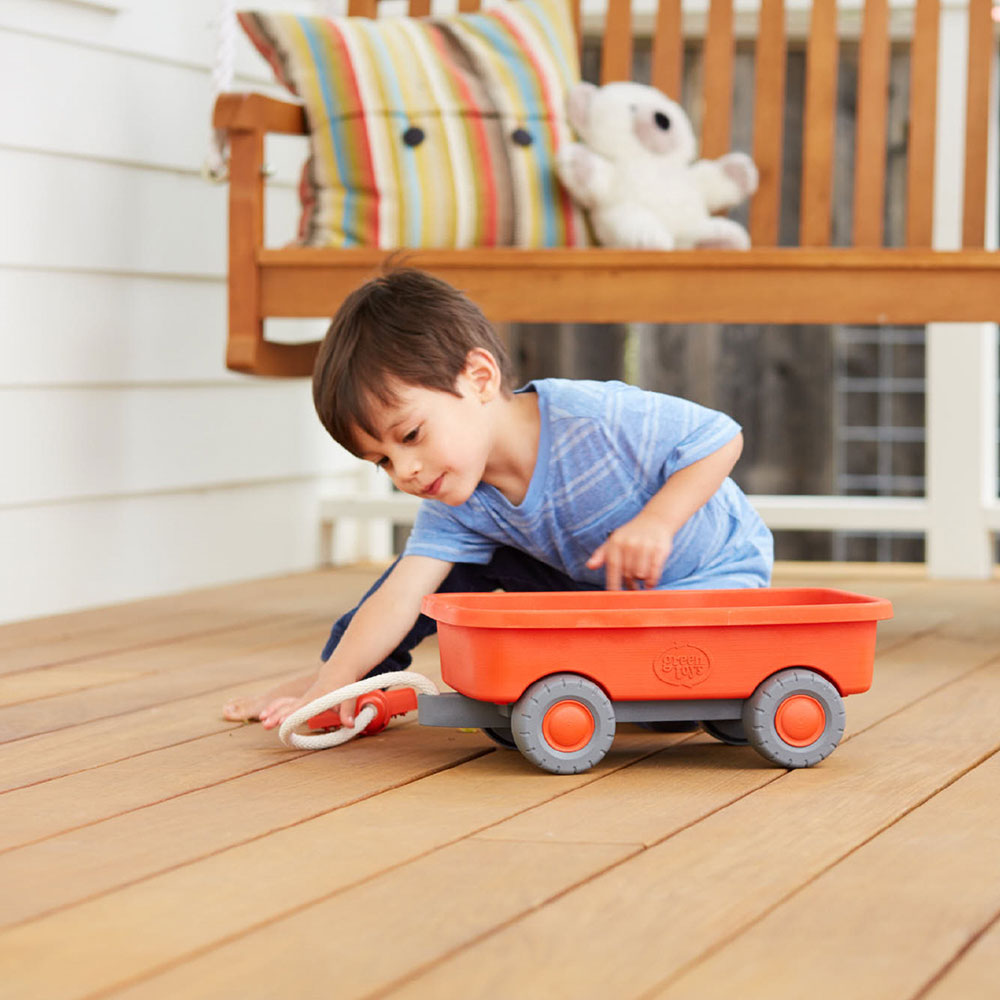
x=279 y=709
x=635 y=553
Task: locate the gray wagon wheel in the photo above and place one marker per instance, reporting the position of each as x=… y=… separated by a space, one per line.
x=729 y=731
x=501 y=737
x=563 y=723
x=795 y=718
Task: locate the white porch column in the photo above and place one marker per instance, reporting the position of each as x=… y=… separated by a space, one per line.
x=961 y=447
x=961 y=357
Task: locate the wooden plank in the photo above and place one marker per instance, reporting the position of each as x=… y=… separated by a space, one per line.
x=362 y=8
x=221 y=673
x=39 y=812
x=768 y=122
x=819 y=126
x=616 y=45
x=253 y=112
x=935 y=867
x=368 y=843
x=974 y=973
x=421 y=921
x=668 y=49
x=607 y=286
x=716 y=132
x=99 y=631
x=103 y=781
x=66 y=752
x=966 y=630
x=923 y=124
x=134 y=845
x=873 y=110
x=702 y=770
x=730 y=869
x=982 y=47
x=201 y=649
x=632 y=802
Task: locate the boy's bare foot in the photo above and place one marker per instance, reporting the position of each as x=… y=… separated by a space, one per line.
x=247 y=708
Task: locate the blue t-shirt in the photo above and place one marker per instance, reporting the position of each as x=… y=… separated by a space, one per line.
x=605 y=449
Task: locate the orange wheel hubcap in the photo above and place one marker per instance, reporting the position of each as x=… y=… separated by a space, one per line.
x=568 y=726
x=800 y=720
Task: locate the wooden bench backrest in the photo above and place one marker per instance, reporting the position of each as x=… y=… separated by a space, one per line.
x=822 y=57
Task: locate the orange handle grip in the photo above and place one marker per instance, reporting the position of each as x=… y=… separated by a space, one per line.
x=387 y=705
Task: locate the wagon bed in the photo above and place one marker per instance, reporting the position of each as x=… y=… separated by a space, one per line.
x=655 y=657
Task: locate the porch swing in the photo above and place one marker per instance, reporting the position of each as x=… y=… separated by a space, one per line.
x=938 y=275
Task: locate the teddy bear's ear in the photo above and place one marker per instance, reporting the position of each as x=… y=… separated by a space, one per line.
x=578 y=103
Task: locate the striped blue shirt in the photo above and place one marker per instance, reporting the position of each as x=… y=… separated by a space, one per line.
x=605 y=449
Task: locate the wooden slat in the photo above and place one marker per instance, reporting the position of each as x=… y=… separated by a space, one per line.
x=977 y=122
x=367 y=841
x=716 y=132
x=818 y=126
x=419 y=8
x=100 y=793
x=923 y=123
x=975 y=972
x=873 y=107
x=768 y=122
x=148 y=628
x=576 y=12
x=250 y=112
x=722 y=882
x=817 y=925
x=363 y=817
x=97 y=858
x=362 y=8
x=25 y=686
x=616 y=51
x=668 y=49
x=468 y=6
x=608 y=286
x=66 y=752
x=209 y=872
x=246 y=349
x=225 y=674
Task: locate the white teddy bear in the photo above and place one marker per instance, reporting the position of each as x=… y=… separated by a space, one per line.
x=634 y=172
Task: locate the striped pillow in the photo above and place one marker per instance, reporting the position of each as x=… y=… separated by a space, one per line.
x=431 y=132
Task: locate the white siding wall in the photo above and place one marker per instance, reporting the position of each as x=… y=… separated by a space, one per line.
x=131 y=462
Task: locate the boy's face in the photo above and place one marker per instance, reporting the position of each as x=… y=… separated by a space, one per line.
x=432 y=444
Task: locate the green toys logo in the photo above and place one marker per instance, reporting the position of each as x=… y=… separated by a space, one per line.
x=686 y=666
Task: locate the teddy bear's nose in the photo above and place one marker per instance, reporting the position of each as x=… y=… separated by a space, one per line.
x=662 y=121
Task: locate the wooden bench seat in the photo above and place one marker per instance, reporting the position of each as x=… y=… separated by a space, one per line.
x=813 y=282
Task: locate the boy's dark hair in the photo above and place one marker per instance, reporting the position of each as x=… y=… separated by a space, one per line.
x=402 y=326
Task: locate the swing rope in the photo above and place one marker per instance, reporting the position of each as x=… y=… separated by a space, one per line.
x=216 y=164
x=320 y=741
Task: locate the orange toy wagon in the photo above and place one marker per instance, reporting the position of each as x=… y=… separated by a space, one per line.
x=552 y=673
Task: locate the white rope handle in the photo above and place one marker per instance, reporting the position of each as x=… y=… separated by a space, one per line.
x=320 y=741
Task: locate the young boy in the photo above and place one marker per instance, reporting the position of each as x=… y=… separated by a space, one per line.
x=560 y=485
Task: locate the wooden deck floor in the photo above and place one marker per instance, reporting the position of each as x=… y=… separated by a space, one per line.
x=148 y=849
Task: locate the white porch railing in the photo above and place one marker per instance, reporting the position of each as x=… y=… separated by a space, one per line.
x=960 y=513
